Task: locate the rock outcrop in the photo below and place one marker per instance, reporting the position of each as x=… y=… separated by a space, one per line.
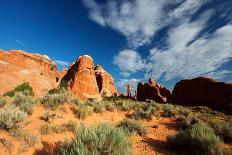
x=105 y=82
x=81 y=78
x=203 y=91
x=153 y=91
x=18 y=66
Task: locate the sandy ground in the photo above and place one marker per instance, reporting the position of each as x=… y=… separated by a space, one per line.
x=152 y=143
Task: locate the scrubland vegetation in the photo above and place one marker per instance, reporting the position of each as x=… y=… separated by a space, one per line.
x=199 y=130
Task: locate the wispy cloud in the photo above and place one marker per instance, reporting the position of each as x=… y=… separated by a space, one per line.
x=188 y=51
x=128 y=61
x=20 y=42
x=62 y=63
x=139 y=20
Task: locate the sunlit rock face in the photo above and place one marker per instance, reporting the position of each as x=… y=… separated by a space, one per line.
x=18 y=66
x=105 y=82
x=153 y=91
x=82 y=80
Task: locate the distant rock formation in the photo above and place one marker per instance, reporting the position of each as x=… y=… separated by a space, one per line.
x=18 y=66
x=105 y=82
x=203 y=91
x=63 y=73
x=81 y=78
x=153 y=91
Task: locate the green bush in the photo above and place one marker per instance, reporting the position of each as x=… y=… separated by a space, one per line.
x=2 y=101
x=82 y=112
x=21 y=133
x=188 y=121
x=49 y=129
x=104 y=139
x=25 y=88
x=24 y=102
x=200 y=139
x=109 y=107
x=63 y=84
x=71 y=126
x=143 y=112
x=54 y=91
x=10 y=116
x=54 y=100
x=169 y=110
x=223 y=130
x=98 y=108
x=133 y=127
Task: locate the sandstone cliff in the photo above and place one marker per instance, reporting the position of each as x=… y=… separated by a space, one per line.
x=81 y=78
x=105 y=82
x=153 y=91
x=18 y=66
x=203 y=91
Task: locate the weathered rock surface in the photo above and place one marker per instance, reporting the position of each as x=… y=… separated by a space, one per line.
x=18 y=66
x=153 y=91
x=82 y=80
x=203 y=91
x=105 y=82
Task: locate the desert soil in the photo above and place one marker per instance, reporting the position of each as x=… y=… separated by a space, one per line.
x=152 y=143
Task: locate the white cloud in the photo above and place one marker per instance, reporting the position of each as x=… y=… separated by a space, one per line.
x=62 y=63
x=128 y=61
x=202 y=57
x=188 y=52
x=139 y=20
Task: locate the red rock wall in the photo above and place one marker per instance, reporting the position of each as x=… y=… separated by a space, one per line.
x=18 y=66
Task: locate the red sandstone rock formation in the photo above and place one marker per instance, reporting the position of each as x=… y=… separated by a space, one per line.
x=18 y=66
x=81 y=78
x=153 y=91
x=203 y=91
x=63 y=73
x=105 y=82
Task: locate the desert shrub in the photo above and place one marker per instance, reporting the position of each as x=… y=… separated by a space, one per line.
x=54 y=100
x=25 y=88
x=169 y=110
x=143 y=112
x=21 y=133
x=10 y=116
x=2 y=101
x=54 y=91
x=82 y=112
x=103 y=139
x=71 y=126
x=223 y=130
x=109 y=106
x=63 y=84
x=200 y=139
x=48 y=116
x=188 y=121
x=49 y=129
x=24 y=102
x=98 y=108
x=133 y=127
x=76 y=101
x=32 y=140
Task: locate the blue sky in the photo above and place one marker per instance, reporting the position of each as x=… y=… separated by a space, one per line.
x=131 y=39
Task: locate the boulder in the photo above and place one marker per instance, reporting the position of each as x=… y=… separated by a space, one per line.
x=81 y=79
x=203 y=91
x=17 y=66
x=153 y=91
x=105 y=82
